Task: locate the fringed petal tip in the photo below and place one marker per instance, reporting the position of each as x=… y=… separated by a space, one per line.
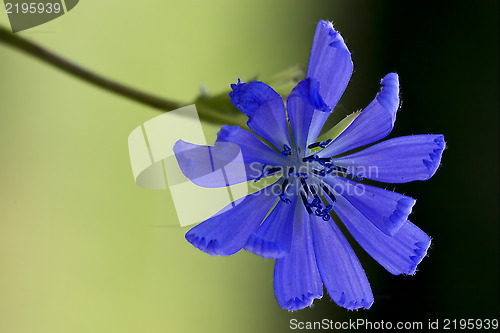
x=399 y=160
x=226 y=131
x=194 y=160
x=336 y=39
x=375 y=122
x=248 y=97
x=265 y=110
x=434 y=160
x=301 y=303
x=388 y=96
x=210 y=246
x=353 y=305
x=330 y=63
x=394 y=221
x=266 y=249
x=228 y=231
x=420 y=250
x=242 y=99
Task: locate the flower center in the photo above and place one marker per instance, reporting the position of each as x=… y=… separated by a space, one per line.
x=303 y=177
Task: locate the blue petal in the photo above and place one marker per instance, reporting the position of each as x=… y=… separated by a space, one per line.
x=265 y=110
x=387 y=210
x=301 y=103
x=274 y=237
x=399 y=254
x=342 y=274
x=218 y=166
x=237 y=156
x=373 y=124
x=398 y=160
x=296 y=277
x=228 y=231
x=252 y=149
x=330 y=63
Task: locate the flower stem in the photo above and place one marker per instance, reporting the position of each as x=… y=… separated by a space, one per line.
x=156 y=102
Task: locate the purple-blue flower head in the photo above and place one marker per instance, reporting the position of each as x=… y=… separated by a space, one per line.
x=291 y=219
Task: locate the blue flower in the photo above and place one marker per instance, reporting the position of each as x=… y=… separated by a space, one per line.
x=290 y=220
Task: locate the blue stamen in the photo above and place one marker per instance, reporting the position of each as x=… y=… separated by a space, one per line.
x=320 y=144
x=319 y=211
x=313 y=191
x=321 y=173
x=261 y=174
x=310 y=158
x=325 y=213
x=328 y=193
x=317 y=202
x=315 y=194
x=324 y=144
x=326 y=217
x=283 y=185
x=285 y=200
x=266 y=173
x=273 y=170
x=304 y=185
x=286 y=150
x=306 y=204
x=313 y=145
x=355 y=177
x=283 y=188
x=325 y=162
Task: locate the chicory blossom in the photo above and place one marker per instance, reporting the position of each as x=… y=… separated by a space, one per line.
x=290 y=220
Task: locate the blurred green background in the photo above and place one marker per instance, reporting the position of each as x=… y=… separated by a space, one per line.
x=83 y=249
